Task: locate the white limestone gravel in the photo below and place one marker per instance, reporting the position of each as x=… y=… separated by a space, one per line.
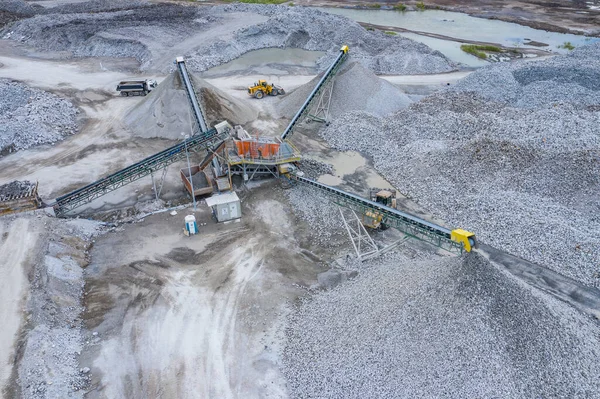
x=438 y=328
x=355 y=88
x=29 y=117
x=523 y=177
x=116 y=29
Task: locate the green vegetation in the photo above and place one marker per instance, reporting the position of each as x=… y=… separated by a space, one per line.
x=375 y=5
x=391 y=33
x=567 y=46
x=291 y=4
x=478 y=50
x=420 y=6
x=369 y=28
x=472 y=49
x=262 y=1
x=399 y=7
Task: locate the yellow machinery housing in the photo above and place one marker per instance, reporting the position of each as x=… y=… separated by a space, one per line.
x=262 y=88
x=464 y=237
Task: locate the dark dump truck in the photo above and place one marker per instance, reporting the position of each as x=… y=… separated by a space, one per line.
x=136 y=87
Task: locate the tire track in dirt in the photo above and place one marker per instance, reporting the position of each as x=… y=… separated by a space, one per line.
x=183 y=343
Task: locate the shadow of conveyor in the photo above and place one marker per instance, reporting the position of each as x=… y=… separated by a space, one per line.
x=584 y=298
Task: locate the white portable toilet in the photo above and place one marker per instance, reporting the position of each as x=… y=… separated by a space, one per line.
x=190 y=224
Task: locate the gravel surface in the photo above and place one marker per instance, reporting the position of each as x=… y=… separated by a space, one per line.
x=572 y=79
x=312 y=29
x=523 y=178
x=372 y=94
x=438 y=327
x=30 y=116
x=53 y=338
x=114 y=29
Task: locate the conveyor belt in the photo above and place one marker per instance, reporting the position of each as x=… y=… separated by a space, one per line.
x=189 y=89
x=136 y=171
x=306 y=106
x=404 y=222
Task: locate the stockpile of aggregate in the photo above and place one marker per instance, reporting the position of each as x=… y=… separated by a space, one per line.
x=432 y=327
x=166 y=111
x=355 y=88
x=15 y=189
x=104 y=29
x=522 y=175
x=117 y=29
x=313 y=29
x=30 y=117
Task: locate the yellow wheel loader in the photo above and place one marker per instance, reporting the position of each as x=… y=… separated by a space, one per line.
x=262 y=88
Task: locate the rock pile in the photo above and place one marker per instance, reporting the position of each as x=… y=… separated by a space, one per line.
x=116 y=29
x=166 y=112
x=30 y=117
x=15 y=188
x=312 y=29
x=523 y=177
x=355 y=88
x=436 y=328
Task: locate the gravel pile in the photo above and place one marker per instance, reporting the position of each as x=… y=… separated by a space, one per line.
x=572 y=79
x=323 y=217
x=165 y=112
x=438 y=327
x=120 y=29
x=15 y=188
x=100 y=33
x=30 y=117
x=18 y=7
x=313 y=168
x=372 y=94
x=312 y=29
x=523 y=179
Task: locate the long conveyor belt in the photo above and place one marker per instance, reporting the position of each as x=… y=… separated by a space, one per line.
x=136 y=171
x=450 y=240
x=191 y=93
x=324 y=79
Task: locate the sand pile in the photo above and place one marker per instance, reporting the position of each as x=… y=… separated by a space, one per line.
x=355 y=89
x=166 y=112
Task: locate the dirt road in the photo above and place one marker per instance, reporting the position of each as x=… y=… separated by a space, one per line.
x=195 y=317
x=18 y=239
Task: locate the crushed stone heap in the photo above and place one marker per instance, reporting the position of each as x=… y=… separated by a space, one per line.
x=424 y=326
x=124 y=29
x=355 y=88
x=523 y=177
x=29 y=117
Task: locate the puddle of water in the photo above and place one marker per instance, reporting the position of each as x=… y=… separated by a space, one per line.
x=268 y=61
x=448 y=48
x=346 y=163
x=462 y=26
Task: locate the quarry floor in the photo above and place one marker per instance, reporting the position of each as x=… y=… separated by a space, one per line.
x=175 y=316
x=211 y=307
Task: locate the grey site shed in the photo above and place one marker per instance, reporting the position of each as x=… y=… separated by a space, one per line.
x=225 y=206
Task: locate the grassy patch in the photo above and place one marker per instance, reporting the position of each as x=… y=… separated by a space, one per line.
x=472 y=49
x=399 y=7
x=391 y=33
x=375 y=5
x=369 y=28
x=567 y=46
x=478 y=50
x=420 y=6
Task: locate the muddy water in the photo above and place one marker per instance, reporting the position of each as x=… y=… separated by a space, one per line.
x=348 y=163
x=462 y=26
x=269 y=61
